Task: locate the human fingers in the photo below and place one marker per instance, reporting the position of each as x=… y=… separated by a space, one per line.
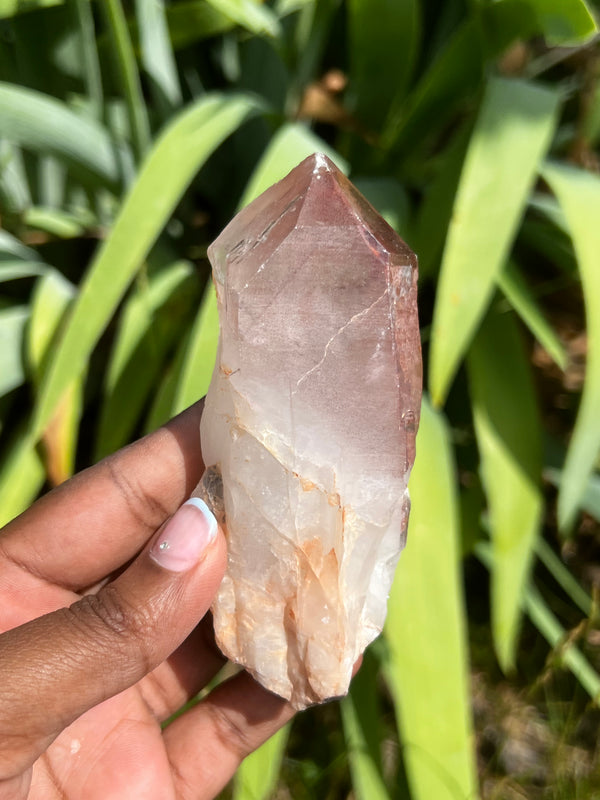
x=94 y=523
x=57 y=666
x=207 y=744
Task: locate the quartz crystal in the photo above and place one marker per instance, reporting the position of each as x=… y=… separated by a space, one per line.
x=308 y=432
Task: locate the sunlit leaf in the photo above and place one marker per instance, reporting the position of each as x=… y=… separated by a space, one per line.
x=362 y=717
x=125 y=66
x=508 y=431
x=579 y=195
x=157 y=54
x=166 y=173
x=42 y=124
x=12 y=327
x=290 y=145
x=193 y=20
x=199 y=359
x=250 y=14
x=519 y=295
x=8 y=8
x=51 y=300
x=22 y=476
x=425 y=630
x=150 y=324
x=513 y=131
x=256 y=777
x=56 y=222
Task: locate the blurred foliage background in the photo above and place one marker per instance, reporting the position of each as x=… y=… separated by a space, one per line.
x=130 y=132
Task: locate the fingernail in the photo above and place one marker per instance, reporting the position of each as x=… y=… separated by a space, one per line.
x=185 y=537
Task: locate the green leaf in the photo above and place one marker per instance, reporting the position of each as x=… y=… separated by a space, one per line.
x=157 y=54
x=389 y=197
x=12 y=328
x=15 y=195
x=513 y=130
x=15 y=268
x=11 y=246
x=435 y=210
x=193 y=20
x=125 y=65
x=563 y=22
x=250 y=14
x=566 y=654
x=257 y=775
x=521 y=298
x=508 y=431
x=57 y=222
x=579 y=195
x=21 y=476
x=383 y=44
x=590 y=500
x=454 y=74
x=150 y=323
x=425 y=630
x=564 y=577
x=200 y=356
x=10 y=8
x=179 y=153
x=291 y=144
x=51 y=300
x=45 y=125
x=569 y=656
x=361 y=718
x=89 y=55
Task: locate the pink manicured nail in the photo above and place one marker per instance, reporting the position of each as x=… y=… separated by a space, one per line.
x=185 y=537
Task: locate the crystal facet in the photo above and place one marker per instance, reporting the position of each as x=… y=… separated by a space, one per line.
x=310 y=422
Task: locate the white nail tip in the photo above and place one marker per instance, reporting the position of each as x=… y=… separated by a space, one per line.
x=207 y=514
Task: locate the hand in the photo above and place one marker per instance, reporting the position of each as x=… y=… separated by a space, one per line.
x=103 y=642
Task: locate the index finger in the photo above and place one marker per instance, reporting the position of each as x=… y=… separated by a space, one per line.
x=94 y=523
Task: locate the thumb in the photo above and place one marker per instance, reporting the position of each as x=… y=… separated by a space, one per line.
x=58 y=666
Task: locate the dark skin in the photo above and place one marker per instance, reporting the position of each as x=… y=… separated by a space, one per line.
x=100 y=645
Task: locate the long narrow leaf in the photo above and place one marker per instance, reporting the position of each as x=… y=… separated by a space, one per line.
x=21 y=476
x=383 y=40
x=256 y=778
x=518 y=294
x=579 y=195
x=425 y=630
x=292 y=143
x=199 y=360
x=45 y=125
x=166 y=173
x=250 y=14
x=51 y=300
x=553 y=632
x=512 y=133
x=124 y=60
x=508 y=432
x=157 y=54
x=150 y=323
x=361 y=718
x=12 y=327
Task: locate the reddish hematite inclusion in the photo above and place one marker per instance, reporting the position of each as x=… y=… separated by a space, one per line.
x=310 y=421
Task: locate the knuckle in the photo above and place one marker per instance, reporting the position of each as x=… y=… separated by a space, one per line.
x=230 y=732
x=115 y=622
x=145 y=509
